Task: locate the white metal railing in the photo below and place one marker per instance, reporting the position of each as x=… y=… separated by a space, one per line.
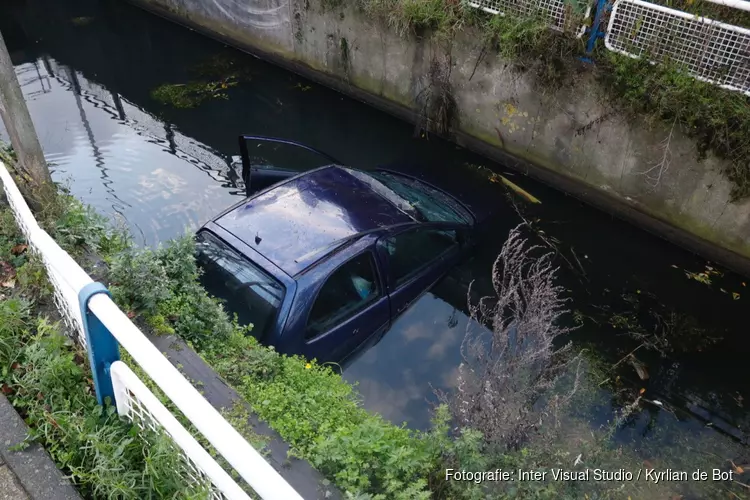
x=711 y=51
x=560 y=13
x=133 y=399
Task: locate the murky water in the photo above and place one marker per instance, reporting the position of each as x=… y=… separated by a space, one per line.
x=87 y=70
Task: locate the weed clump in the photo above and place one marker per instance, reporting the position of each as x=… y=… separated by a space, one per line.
x=192 y=94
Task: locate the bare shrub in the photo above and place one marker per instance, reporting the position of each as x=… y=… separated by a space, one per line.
x=436 y=100
x=507 y=373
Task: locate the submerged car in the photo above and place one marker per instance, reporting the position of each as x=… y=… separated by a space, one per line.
x=322 y=262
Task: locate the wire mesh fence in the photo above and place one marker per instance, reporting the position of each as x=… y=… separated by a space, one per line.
x=709 y=50
x=137 y=403
x=562 y=15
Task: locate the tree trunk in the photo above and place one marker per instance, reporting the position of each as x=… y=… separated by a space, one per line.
x=31 y=167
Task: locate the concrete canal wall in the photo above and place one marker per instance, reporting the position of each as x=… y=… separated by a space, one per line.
x=568 y=136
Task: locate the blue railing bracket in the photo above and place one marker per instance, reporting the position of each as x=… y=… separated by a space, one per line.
x=594 y=33
x=102 y=347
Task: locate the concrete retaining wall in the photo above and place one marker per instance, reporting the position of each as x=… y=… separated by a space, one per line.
x=567 y=137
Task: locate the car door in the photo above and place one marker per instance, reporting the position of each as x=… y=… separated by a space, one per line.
x=350 y=307
x=415 y=259
x=268 y=160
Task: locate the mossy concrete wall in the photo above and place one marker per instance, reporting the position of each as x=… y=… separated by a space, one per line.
x=567 y=136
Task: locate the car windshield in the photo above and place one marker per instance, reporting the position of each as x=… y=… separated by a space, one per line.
x=247 y=291
x=431 y=204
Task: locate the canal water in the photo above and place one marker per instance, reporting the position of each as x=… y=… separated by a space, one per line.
x=88 y=70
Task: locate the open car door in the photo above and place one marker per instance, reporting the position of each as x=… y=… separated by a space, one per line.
x=268 y=160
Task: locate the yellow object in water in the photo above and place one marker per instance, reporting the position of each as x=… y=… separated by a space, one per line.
x=519 y=190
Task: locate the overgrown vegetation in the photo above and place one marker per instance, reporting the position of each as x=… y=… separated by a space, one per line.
x=718 y=119
x=710 y=10
x=506 y=371
x=320 y=415
x=47 y=380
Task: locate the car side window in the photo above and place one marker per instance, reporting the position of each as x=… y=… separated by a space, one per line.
x=409 y=252
x=347 y=291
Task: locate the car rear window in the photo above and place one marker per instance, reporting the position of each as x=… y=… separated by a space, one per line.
x=247 y=291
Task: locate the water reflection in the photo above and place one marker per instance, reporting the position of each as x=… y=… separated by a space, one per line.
x=163 y=169
x=97 y=140
x=431 y=332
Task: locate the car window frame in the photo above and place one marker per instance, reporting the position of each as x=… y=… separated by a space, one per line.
x=395 y=284
x=331 y=324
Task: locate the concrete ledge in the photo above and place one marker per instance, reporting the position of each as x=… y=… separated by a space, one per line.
x=298 y=473
x=9 y=487
x=33 y=467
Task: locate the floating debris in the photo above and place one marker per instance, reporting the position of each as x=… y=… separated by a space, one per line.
x=519 y=190
x=639 y=367
x=190 y=95
x=81 y=21
x=501 y=179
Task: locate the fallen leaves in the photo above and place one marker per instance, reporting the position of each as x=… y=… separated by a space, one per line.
x=19 y=249
x=705 y=277
x=7 y=275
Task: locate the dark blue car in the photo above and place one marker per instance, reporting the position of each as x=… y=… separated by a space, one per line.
x=322 y=262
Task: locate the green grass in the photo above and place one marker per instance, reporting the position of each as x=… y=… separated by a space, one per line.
x=710 y=10
x=48 y=382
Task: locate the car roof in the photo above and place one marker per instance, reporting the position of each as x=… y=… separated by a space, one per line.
x=294 y=223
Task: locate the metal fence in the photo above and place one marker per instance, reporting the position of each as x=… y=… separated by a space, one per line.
x=559 y=12
x=97 y=324
x=709 y=50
